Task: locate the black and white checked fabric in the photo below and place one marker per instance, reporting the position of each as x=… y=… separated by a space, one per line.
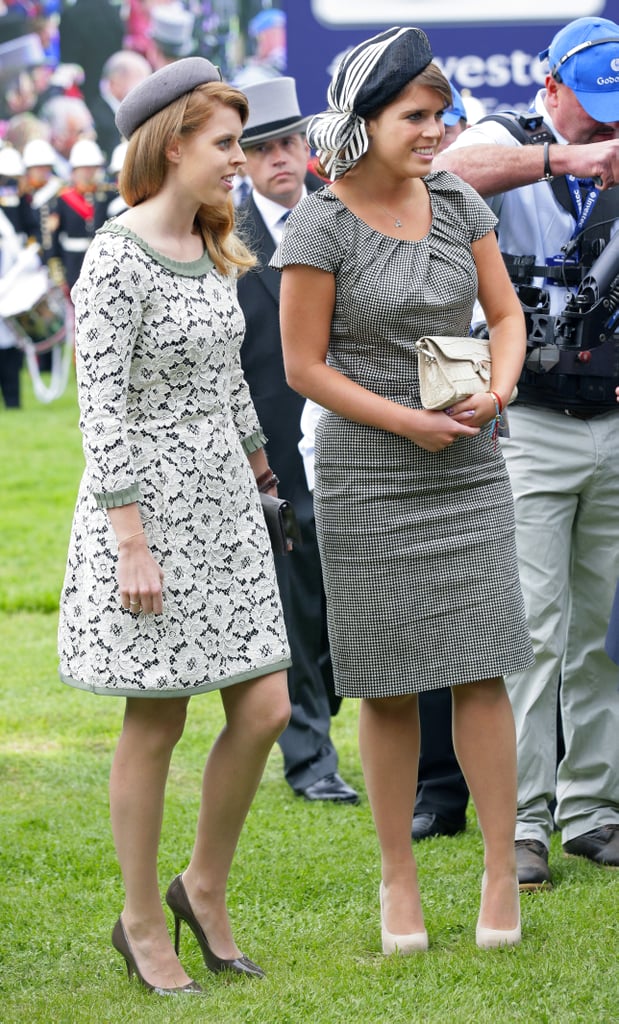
x=418 y=548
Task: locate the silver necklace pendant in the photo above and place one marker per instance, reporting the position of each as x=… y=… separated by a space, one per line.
x=398 y=222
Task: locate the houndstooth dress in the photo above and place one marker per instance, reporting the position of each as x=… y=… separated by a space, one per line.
x=417 y=548
x=167 y=420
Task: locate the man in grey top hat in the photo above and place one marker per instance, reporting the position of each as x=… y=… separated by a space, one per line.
x=277 y=155
x=171 y=34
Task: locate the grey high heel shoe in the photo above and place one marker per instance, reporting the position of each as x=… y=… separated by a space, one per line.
x=178 y=902
x=121 y=943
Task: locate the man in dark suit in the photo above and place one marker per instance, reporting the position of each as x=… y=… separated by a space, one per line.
x=121 y=72
x=90 y=31
x=277 y=154
x=442 y=792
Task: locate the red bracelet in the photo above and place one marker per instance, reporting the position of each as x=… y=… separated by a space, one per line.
x=497 y=399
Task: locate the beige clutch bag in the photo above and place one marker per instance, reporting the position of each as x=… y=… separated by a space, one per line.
x=451 y=369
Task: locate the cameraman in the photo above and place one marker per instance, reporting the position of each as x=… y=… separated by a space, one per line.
x=563 y=453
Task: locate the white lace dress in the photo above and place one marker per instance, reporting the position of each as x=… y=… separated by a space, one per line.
x=167 y=421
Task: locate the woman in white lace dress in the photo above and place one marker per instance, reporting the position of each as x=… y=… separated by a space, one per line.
x=170 y=587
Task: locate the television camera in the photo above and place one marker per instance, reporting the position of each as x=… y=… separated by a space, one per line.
x=573 y=356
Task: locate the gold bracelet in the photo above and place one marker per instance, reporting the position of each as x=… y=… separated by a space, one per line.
x=130 y=536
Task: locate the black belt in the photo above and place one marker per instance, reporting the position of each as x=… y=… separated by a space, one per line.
x=577 y=414
x=585 y=414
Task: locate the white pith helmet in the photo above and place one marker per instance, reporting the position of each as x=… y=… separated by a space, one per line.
x=86 y=153
x=38 y=153
x=11 y=163
x=117 y=158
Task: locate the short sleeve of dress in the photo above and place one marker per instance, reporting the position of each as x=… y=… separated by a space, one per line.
x=315 y=234
x=475 y=213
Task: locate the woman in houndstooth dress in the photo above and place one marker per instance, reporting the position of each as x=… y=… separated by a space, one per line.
x=413 y=508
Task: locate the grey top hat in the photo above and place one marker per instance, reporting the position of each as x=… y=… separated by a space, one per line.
x=273 y=111
x=161 y=88
x=172 y=29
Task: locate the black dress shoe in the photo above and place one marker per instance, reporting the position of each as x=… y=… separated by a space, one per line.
x=330 y=787
x=427 y=825
x=532 y=865
x=601 y=846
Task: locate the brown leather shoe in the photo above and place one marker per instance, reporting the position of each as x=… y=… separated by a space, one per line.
x=600 y=846
x=532 y=865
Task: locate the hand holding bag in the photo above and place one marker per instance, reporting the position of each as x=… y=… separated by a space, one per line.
x=452 y=368
x=281 y=523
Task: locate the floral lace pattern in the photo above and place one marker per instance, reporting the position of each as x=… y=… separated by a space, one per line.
x=167 y=420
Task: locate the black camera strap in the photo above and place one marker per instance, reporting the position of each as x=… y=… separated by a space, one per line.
x=530 y=129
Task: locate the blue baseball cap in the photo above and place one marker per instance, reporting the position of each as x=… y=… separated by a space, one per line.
x=264 y=20
x=457 y=109
x=585 y=56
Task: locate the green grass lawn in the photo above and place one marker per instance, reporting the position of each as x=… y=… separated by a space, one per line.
x=304 y=888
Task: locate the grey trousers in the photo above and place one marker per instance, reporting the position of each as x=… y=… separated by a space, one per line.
x=565 y=477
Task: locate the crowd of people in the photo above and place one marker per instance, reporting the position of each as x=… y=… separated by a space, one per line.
x=61 y=150
x=232 y=341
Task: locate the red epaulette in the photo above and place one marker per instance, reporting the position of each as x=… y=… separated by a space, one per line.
x=78 y=202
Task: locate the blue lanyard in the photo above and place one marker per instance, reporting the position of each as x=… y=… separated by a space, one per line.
x=583 y=208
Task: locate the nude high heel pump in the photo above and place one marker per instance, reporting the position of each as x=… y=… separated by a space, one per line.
x=492 y=938
x=121 y=943
x=415 y=942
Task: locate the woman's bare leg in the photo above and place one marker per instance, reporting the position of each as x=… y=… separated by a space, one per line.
x=256 y=713
x=151 y=729
x=485 y=743
x=389 y=747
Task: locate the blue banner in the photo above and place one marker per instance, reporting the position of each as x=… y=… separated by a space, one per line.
x=488 y=48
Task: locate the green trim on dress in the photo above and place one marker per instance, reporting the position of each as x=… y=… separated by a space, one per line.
x=241 y=677
x=187 y=268
x=254 y=442
x=114 y=499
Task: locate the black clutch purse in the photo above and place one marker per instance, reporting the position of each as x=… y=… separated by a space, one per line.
x=281 y=523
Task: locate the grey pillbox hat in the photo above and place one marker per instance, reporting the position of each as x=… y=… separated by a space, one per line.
x=161 y=88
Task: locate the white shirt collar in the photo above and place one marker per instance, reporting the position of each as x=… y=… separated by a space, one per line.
x=108 y=96
x=272 y=212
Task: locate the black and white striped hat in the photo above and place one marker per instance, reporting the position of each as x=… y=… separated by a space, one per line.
x=366 y=79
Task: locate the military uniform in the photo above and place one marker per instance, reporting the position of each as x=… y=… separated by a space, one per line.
x=78 y=215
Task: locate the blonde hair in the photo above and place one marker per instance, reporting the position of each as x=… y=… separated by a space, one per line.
x=145 y=167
